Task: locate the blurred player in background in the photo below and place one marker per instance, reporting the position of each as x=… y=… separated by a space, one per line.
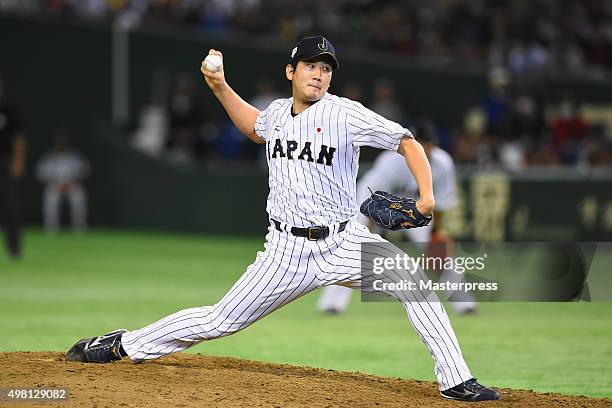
x=63 y=170
x=12 y=163
x=388 y=174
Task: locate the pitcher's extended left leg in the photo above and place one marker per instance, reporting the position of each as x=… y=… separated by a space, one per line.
x=279 y=275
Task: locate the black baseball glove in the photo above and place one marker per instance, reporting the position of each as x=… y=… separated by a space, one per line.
x=393 y=212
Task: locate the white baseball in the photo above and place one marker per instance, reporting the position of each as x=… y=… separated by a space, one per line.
x=213 y=63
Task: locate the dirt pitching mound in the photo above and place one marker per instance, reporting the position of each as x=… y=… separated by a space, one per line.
x=200 y=381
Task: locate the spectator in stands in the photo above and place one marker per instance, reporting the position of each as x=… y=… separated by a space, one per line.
x=497 y=102
x=568 y=129
x=542 y=155
x=90 y=8
x=600 y=46
x=63 y=171
x=185 y=119
x=470 y=145
x=597 y=148
x=527 y=57
x=522 y=129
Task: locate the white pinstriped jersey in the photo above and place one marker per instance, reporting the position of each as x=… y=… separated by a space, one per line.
x=313 y=157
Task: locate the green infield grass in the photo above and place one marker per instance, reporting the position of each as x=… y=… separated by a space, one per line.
x=68 y=286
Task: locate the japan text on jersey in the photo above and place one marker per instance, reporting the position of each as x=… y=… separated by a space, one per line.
x=313 y=157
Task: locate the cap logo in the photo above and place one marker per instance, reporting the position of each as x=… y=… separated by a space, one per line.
x=323 y=46
x=293 y=51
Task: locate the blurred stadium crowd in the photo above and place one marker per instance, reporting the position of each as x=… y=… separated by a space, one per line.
x=518 y=42
x=514 y=126
x=518 y=125
x=525 y=35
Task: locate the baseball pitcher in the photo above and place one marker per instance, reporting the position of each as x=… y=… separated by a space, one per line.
x=312 y=143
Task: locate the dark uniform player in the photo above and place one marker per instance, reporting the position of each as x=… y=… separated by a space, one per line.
x=12 y=161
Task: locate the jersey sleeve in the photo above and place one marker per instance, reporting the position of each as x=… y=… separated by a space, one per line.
x=371 y=129
x=263 y=121
x=261 y=124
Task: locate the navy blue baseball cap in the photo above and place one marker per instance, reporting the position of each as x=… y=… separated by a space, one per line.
x=310 y=47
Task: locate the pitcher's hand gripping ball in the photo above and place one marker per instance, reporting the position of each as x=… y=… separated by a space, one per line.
x=213 y=63
x=393 y=212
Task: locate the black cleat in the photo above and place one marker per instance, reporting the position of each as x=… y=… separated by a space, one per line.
x=471 y=391
x=100 y=349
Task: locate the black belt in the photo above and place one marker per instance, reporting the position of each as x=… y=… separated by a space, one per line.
x=310 y=233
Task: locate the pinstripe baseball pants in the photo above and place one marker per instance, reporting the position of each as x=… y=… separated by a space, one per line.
x=288 y=268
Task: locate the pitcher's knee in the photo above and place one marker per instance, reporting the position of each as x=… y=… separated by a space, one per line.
x=220 y=323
